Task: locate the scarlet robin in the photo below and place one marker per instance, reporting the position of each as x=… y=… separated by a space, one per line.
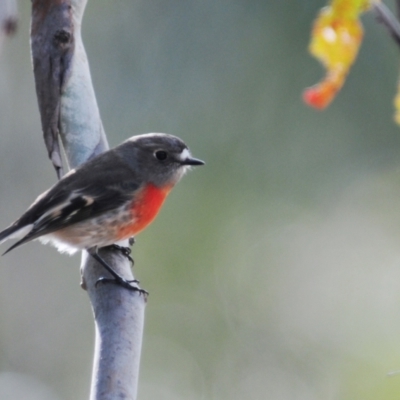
x=110 y=198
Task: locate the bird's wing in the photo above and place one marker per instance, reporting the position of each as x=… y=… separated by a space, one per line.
x=88 y=203
x=79 y=206
x=82 y=194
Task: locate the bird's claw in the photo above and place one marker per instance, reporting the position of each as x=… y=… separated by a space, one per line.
x=126 y=251
x=124 y=283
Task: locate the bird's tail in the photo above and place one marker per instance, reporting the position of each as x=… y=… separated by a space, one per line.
x=14 y=232
x=6 y=233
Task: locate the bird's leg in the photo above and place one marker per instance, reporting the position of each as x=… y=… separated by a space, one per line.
x=118 y=279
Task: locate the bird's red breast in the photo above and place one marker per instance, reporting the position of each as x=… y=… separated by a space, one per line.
x=144 y=209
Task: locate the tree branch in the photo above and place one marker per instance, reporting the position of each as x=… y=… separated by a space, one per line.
x=68 y=108
x=386 y=17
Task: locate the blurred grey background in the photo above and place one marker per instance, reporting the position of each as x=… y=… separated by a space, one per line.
x=273 y=271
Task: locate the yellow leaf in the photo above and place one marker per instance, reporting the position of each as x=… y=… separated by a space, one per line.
x=336 y=37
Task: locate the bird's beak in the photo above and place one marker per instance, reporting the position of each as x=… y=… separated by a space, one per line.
x=192 y=161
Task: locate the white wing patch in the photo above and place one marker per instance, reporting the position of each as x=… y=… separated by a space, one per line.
x=70 y=172
x=57 y=211
x=54 y=212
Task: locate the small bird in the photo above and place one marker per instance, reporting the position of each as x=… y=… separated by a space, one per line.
x=111 y=197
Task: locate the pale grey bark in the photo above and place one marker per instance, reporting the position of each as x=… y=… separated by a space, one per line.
x=69 y=109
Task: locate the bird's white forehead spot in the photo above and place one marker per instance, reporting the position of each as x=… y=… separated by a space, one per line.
x=185 y=154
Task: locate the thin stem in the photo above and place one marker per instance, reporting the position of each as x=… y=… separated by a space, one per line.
x=386 y=17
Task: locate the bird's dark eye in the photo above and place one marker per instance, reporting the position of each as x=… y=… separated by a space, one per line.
x=161 y=155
